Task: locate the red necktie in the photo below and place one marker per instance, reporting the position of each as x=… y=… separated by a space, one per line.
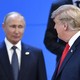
x=64 y=55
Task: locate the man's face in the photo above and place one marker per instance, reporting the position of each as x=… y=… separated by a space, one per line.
x=59 y=26
x=14 y=28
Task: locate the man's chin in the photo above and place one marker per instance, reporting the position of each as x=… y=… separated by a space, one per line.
x=15 y=42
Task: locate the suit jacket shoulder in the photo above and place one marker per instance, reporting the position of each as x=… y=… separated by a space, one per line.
x=70 y=65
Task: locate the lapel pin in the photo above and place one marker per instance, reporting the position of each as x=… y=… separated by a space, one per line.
x=71 y=50
x=27 y=53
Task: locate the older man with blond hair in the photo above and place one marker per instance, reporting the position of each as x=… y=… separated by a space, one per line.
x=67 y=25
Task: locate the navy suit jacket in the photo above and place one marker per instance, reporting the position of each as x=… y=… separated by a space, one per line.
x=70 y=69
x=32 y=65
x=51 y=41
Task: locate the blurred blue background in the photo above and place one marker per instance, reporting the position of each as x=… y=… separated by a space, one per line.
x=36 y=15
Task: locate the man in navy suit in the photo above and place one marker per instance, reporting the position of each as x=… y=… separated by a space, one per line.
x=67 y=25
x=51 y=40
x=30 y=59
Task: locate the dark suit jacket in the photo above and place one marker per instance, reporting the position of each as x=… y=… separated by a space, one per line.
x=70 y=69
x=32 y=65
x=51 y=41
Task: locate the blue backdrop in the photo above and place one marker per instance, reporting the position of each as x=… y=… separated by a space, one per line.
x=36 y=15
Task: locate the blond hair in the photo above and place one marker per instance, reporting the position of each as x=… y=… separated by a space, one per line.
x=70 y=14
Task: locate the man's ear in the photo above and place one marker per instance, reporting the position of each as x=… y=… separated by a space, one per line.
x=3 y=26
x=65 y=26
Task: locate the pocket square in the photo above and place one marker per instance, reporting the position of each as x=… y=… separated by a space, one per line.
x=27 y=53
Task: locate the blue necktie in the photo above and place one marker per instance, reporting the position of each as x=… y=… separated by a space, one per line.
x=15 y=65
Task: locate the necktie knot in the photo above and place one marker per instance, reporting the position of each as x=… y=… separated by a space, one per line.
x=67 y=47
x=14 y=48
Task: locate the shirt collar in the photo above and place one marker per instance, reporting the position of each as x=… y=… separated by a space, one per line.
x=9 y=44
x=72 y=40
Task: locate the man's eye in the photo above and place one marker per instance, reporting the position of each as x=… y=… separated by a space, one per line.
x=20 y=26
x=13 y=26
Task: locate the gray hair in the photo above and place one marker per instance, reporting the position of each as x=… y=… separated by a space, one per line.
x=69 y=14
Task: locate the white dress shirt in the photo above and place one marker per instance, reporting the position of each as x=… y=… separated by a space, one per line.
x=10 y=51
x=72 y=40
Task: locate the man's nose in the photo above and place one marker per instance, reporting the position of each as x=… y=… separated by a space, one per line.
x=16 y=29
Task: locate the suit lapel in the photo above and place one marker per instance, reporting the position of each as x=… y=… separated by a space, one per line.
x=69 y=55
x=5 y=61
x=24 y=61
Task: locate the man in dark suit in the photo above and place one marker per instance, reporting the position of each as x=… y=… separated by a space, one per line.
x=51 y=41
x=67 y=25
x=30 y=60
